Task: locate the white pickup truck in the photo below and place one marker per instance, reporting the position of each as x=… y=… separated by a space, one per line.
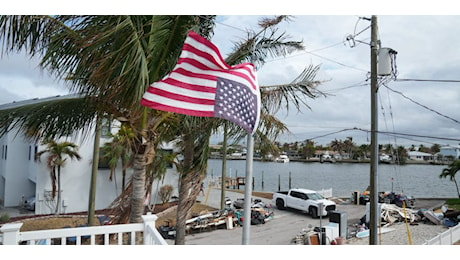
x=305 y=200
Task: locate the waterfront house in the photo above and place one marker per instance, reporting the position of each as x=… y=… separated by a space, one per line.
x=419 y=156
x=22 y=177
x=450 y=151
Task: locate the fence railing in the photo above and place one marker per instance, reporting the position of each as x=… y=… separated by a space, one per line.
x=448 y=237
x=327 y=193
x=137 y=233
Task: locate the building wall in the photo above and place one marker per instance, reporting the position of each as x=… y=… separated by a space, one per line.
x=14 y=159
x=450 y=151
x=76 y=180
x=21 y=175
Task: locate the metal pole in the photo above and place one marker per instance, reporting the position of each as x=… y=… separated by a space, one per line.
x=374 y=214
x=320 y=223
x=248 y=190
x=224 y=169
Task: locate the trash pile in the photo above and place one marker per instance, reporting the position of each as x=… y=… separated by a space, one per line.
x=391 y=213
x=227 y=218
x=260 y=212
x=446 y=217
x=397 y=199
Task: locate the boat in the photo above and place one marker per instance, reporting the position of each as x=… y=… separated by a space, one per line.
x=283 y=158
x=326 y=158
x=385 y=158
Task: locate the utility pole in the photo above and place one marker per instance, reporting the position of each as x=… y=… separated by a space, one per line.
x=374 y=212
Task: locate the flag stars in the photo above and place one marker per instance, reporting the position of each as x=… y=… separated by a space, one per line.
x=236 y=103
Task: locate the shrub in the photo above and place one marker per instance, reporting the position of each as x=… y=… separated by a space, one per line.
x=4 y=217
x=165 y=193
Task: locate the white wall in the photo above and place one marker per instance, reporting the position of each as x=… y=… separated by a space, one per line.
x=28 y=177
x=17 y=186
x=76 y=181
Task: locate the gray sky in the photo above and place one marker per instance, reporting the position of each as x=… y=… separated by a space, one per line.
x=426 y=112
x=426 y=49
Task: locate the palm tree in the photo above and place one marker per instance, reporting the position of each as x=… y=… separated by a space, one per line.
x=57 y=153
x=450 y=172
x=110 y=61
x=119 y=149
x=336 y=145
x=197 y=131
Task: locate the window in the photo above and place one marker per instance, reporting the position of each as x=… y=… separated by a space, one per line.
x=106 y=127
x=103 y=161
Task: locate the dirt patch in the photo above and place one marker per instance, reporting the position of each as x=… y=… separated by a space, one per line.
x=54 y=222
x=166 y=215
x=260 y=194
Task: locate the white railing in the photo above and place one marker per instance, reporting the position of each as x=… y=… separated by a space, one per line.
x=106 y=235
x=327 y=193
x=448 y=237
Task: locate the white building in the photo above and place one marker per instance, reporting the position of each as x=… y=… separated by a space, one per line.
x=21 y=176
x=420 y=156
x=453 y=151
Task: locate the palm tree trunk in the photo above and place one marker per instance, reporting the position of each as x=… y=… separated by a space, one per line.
x=92 y=188
x=123 y=171
x=138 y=191
x=58 y=202
x=456 y=185
x=188 y=190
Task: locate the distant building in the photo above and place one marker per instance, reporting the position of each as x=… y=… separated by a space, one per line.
x=419 y=156
x=453 y=151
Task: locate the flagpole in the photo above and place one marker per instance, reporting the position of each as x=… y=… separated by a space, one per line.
x=248 y=190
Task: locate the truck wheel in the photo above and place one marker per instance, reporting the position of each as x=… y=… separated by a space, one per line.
x=280 y=204
x=313 y=212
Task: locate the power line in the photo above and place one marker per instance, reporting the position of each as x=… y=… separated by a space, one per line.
x=430 y=109
x=431 y=80
x=386 y=133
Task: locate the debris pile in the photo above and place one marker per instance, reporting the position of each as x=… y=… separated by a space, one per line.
x=391 y=213
x=227 y=218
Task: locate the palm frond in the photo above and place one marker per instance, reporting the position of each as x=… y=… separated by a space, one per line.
x=295 y=94
x=265 y=43
x=49 y=119
x=29 y=32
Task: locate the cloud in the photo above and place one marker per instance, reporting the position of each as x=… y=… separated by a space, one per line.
x=427 y=49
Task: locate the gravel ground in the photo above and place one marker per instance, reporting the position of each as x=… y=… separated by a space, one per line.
x=402 y=234
x=287 y=224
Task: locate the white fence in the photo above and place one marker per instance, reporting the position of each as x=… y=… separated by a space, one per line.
x=327 y=193
x=137 y=233
x=448 y=237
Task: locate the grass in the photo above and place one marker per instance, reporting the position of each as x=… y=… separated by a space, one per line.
x=453 y=204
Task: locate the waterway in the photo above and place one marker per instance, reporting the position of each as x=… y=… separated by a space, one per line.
x=417 y=180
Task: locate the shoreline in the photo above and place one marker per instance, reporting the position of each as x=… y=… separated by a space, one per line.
x=317 y=160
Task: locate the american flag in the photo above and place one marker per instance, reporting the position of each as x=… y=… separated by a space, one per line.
x=202 y=84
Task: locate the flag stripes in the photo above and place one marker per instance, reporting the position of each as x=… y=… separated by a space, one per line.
x=191 y=86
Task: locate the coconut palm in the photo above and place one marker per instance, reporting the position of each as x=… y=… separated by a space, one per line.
x=196 y=132
x=450 y=172
x=110 y=60
x=56 y=160
x=119 y=149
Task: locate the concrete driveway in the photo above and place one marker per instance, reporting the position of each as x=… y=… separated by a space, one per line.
x=283 y=228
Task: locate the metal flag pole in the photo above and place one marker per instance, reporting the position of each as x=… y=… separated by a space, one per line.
x=248 y=190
